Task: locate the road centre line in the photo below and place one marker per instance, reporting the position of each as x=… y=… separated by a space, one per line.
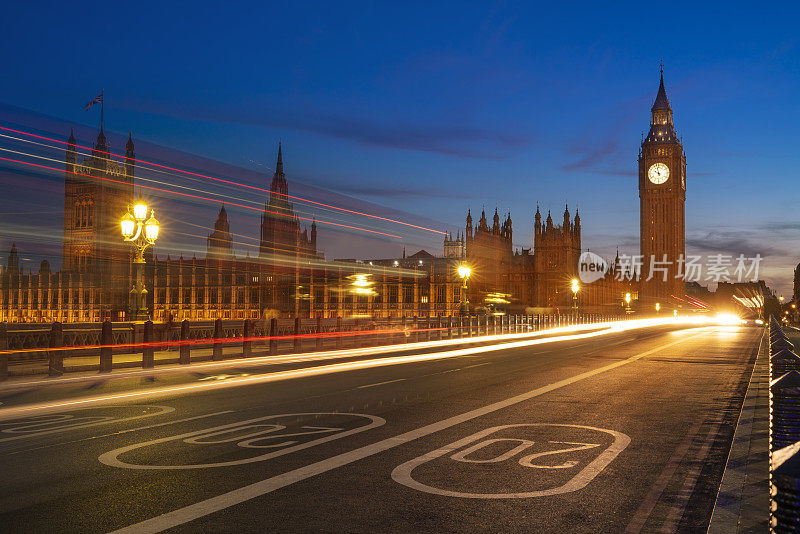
x=220 y=502
x=475 y=365
x=381 y=383
x=19 y=411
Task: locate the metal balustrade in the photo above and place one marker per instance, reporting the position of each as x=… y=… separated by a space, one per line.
x=56 y=348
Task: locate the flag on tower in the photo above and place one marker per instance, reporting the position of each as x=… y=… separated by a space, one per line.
x=97 y=100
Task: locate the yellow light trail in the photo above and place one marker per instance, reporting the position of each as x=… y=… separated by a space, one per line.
x=598 y=329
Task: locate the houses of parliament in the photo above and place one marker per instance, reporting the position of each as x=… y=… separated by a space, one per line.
x=291 y=277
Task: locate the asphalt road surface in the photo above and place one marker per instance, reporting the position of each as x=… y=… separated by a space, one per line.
x=624 y=432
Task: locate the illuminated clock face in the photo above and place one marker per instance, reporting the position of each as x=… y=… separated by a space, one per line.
x=658 y=173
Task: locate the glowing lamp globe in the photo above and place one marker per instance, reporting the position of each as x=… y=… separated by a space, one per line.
x=151 y=229
x=464 y=271
x=127 y=225
x=140 y=210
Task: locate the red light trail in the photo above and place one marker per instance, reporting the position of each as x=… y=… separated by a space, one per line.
x=197 y=197
x=230 y=182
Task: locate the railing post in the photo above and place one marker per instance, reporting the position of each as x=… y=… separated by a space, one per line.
x=106 y=340
x=216 y=354
x=3 y=353
x=148 y=350
x=362 y=339
x=273 y=333
x=247 y=342
x=449 y=327
x=319 y=333
x=184 y=350
x=338 y=332
x=56 y=363
x=297 y=340
x=403 y=327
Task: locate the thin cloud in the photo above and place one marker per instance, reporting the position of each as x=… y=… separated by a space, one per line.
x=453 y=139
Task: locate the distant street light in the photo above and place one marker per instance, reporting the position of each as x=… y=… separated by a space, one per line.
x=658 y=307
x=575 y=288
x=141 y=232
x=464 y=272
x=628 y=303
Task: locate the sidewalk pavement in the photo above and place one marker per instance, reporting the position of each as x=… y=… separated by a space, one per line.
x=743 y=500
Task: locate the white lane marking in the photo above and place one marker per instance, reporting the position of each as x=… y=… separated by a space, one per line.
x=402 y=473
x=381 y=383
x=651 y=499
x=299 y=373
x=475 y=365
x=121 y=432
x=60 y=421
x=112 y=457
x=268 y=485
x=163 y=410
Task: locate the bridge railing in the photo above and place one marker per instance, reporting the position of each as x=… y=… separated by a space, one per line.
x=784 y=431
x=56 y=348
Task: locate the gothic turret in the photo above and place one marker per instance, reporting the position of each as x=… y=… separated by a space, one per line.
x=314 y=235
x=662 y=129
x=482 y=225
x=549 y=224
x=13 y=259
x=130 y=156
x=101 y=145
x=496 y=223
x=278 y=188
x=72 y=154
x=468 y=228
x=566 y=223
x=537 y=224
x=219 y=243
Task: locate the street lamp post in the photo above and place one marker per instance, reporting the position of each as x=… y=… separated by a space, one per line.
x=575 y=288
x=464 y=272
x=141 y=232
x=658 y=307
x=628 y=303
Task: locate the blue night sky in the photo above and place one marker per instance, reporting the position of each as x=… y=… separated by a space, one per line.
x=429 y=108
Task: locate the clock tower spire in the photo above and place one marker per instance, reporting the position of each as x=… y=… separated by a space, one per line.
x=662 y=194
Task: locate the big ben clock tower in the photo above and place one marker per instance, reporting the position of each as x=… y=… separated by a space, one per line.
x=662 y=194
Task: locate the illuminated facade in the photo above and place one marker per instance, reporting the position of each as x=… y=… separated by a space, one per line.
x=556 y=250
x=97 y=190
x=289 y=277
x=280 y=226
x=662 y=194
